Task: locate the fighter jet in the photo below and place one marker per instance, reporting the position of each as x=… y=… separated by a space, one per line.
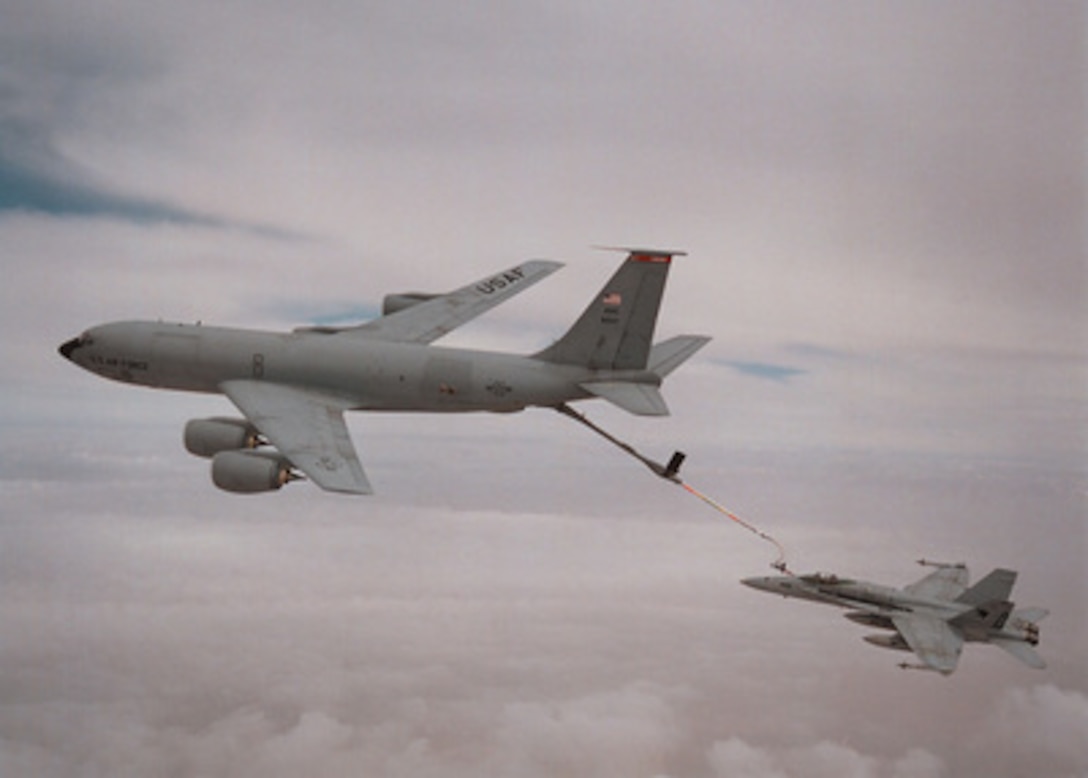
x=292 y=388
x=932 y=617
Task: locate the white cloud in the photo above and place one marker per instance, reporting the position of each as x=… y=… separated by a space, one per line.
x=630 y=731
x=234 y=637
x=918 y=763
x=736 y=758
x=1038 y=729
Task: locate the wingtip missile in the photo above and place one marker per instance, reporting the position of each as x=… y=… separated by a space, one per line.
x=930 y=563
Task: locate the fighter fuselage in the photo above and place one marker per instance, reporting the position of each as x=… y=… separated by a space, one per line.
x=876 y=604
x=848 y=593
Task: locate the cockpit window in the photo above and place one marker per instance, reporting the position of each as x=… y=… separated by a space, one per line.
x=829 y=579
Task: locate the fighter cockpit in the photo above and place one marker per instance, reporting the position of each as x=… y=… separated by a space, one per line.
x=825 y=579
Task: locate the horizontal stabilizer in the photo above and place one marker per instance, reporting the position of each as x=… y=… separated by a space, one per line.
x=1029 y=615
x=1021 y=651
x=639 y=399
x=670 y=354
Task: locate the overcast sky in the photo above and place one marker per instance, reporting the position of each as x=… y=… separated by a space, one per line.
x=884 y=210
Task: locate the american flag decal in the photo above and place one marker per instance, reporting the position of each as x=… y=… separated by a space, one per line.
x=612 y=299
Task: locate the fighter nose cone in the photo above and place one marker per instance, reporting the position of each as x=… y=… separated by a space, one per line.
x=67 y=347
x=755 y=583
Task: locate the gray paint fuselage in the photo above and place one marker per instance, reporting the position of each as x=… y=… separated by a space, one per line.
x=877 y=599
x=372 y=374
x=848 y=593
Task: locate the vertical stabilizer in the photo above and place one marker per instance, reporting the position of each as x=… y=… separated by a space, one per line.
x=995 y=586
x=616 y=330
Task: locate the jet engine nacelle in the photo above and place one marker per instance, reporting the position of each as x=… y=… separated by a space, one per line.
x=888 y=641
x=392 y=303
x=250 y=472
x=207 y=437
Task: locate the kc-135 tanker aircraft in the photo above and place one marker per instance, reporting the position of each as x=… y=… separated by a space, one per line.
x=293 y=388
x=932 y=617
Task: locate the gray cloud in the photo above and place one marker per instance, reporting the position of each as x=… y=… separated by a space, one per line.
x=1044 y=722
x=67 y=78
x=36 y=178
x=766 y=370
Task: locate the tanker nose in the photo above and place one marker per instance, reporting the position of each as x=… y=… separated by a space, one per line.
x=67 y=347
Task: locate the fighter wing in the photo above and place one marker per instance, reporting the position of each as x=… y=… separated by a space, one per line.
x=935 y=642
x=947 y=582
x=430 y=320
x=305 y=426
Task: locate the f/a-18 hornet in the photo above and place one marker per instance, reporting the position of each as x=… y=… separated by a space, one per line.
x=293 y=388
x=932 y=617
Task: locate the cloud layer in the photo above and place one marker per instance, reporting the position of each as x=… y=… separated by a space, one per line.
x=153 y=624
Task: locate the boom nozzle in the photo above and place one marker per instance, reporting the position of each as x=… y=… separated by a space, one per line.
x=672 y=470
